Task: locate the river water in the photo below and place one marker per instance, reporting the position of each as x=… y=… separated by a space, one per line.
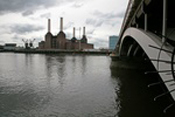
x=39 y=85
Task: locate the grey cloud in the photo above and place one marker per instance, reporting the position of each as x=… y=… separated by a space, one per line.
x=109 y=15
x=17 y=37
x=107 y=18
x=46 y=15
x=21 y=5
x=1 y=42
x=112 y=23
x=101 y=40
x=25 y=28
x=90 y=32
x=99 y=14
x=100 y=43
x=27 y=6
x=104 y=18
x=27 y=13
x=121 y=14
x=94 y=22
x=69 y=25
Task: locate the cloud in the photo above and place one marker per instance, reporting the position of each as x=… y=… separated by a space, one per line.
x=38 y=39
x=2 y=42
x=27 y=13
x=23 y=37
x=46 y=15
x=121 y=14
x=28 y=7
x=23 y=5
x=77 y=5
x=110 y=15
x=18 y=37
x=68 y=25
x=90 y=32
x=107 y=18
x=25 y=28
x=100 y=43
x=94 y=22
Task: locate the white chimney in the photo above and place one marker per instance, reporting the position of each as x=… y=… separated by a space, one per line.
x=48 y=25
x=84 y=31
x=74 y=32
x=61 y=24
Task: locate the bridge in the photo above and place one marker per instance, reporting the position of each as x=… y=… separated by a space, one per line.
x=148 y=32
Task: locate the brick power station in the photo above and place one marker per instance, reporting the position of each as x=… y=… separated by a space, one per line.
x=60 y=41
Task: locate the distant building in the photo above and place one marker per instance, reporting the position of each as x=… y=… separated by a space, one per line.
x=1 y=47
x=60 y=41
x=10 y=46
x=113 y=41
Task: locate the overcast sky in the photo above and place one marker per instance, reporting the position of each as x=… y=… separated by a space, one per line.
x=27 y=19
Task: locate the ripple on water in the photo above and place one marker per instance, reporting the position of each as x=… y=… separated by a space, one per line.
x=56 y=86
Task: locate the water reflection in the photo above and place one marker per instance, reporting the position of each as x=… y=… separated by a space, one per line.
x=135 y=99
x=33 y=85
x=59 y=86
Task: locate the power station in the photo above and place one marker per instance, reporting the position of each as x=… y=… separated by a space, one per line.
x=60 y=41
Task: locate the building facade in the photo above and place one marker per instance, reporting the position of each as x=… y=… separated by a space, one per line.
x=60 y=41
x=10 y=46
x=112 y=42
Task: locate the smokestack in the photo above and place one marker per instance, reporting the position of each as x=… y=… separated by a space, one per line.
x=84 y=31
x=48 y=25
x=61 y=24
x=74 y=32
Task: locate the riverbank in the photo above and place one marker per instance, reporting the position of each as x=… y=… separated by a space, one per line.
x=57 y=51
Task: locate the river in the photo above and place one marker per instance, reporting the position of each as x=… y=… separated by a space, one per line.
x=39 y=85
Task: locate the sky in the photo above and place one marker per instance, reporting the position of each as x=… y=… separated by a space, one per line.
x=27 y=19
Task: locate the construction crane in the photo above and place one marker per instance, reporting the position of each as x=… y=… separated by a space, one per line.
x=31 y=43
x=26 y=43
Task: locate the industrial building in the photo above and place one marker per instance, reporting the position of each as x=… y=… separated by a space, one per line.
x=60 y=41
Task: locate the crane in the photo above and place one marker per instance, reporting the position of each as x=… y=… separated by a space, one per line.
x=26 y=43
x=31 y=43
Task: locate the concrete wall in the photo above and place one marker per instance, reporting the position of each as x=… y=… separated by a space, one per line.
x=76 y=46
x=48 y=39
x=61 y=41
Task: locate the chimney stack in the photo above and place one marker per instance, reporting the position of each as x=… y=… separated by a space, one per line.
x=61 y=24
x=84 y=31
x=74 y=32
x=48 y=25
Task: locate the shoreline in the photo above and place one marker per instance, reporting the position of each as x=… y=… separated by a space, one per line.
x=56 y=51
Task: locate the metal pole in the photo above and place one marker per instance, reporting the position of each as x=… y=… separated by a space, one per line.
x=145 y=16
x=146 y=22
x=164 y=25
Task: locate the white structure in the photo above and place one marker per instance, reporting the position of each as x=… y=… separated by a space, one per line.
x=10 y=46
